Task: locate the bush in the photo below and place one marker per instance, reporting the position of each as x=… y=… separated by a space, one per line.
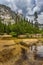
x=14 y=34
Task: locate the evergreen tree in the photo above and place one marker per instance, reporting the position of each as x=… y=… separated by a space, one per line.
x=36 y=16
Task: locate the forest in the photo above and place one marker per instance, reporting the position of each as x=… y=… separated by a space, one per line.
x=21 y=27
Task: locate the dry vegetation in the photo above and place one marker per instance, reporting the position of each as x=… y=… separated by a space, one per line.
x=14 y=52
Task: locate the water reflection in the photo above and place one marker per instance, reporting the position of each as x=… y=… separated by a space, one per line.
x=40 y=51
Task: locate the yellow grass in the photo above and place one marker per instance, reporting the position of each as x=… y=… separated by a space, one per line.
x=16 y=49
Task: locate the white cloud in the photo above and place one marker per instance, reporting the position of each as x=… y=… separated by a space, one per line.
x=27 y=7
x=20 y=11
x=40 y=18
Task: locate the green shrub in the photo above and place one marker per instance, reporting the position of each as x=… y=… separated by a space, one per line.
x=14 y=34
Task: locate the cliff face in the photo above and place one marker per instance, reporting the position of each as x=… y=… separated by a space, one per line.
x=6 y=14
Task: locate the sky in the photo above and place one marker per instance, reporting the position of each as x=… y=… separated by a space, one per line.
x=26 y=7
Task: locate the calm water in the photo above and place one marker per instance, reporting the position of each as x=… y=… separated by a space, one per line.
x=40 y=51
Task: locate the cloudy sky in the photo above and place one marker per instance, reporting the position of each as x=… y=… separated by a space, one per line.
x=26 y=7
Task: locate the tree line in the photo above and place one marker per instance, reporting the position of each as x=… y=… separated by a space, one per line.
x=21 y=27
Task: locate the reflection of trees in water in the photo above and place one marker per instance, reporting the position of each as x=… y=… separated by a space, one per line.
x=32 y=48
x=24 y=54
x=22 y=58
